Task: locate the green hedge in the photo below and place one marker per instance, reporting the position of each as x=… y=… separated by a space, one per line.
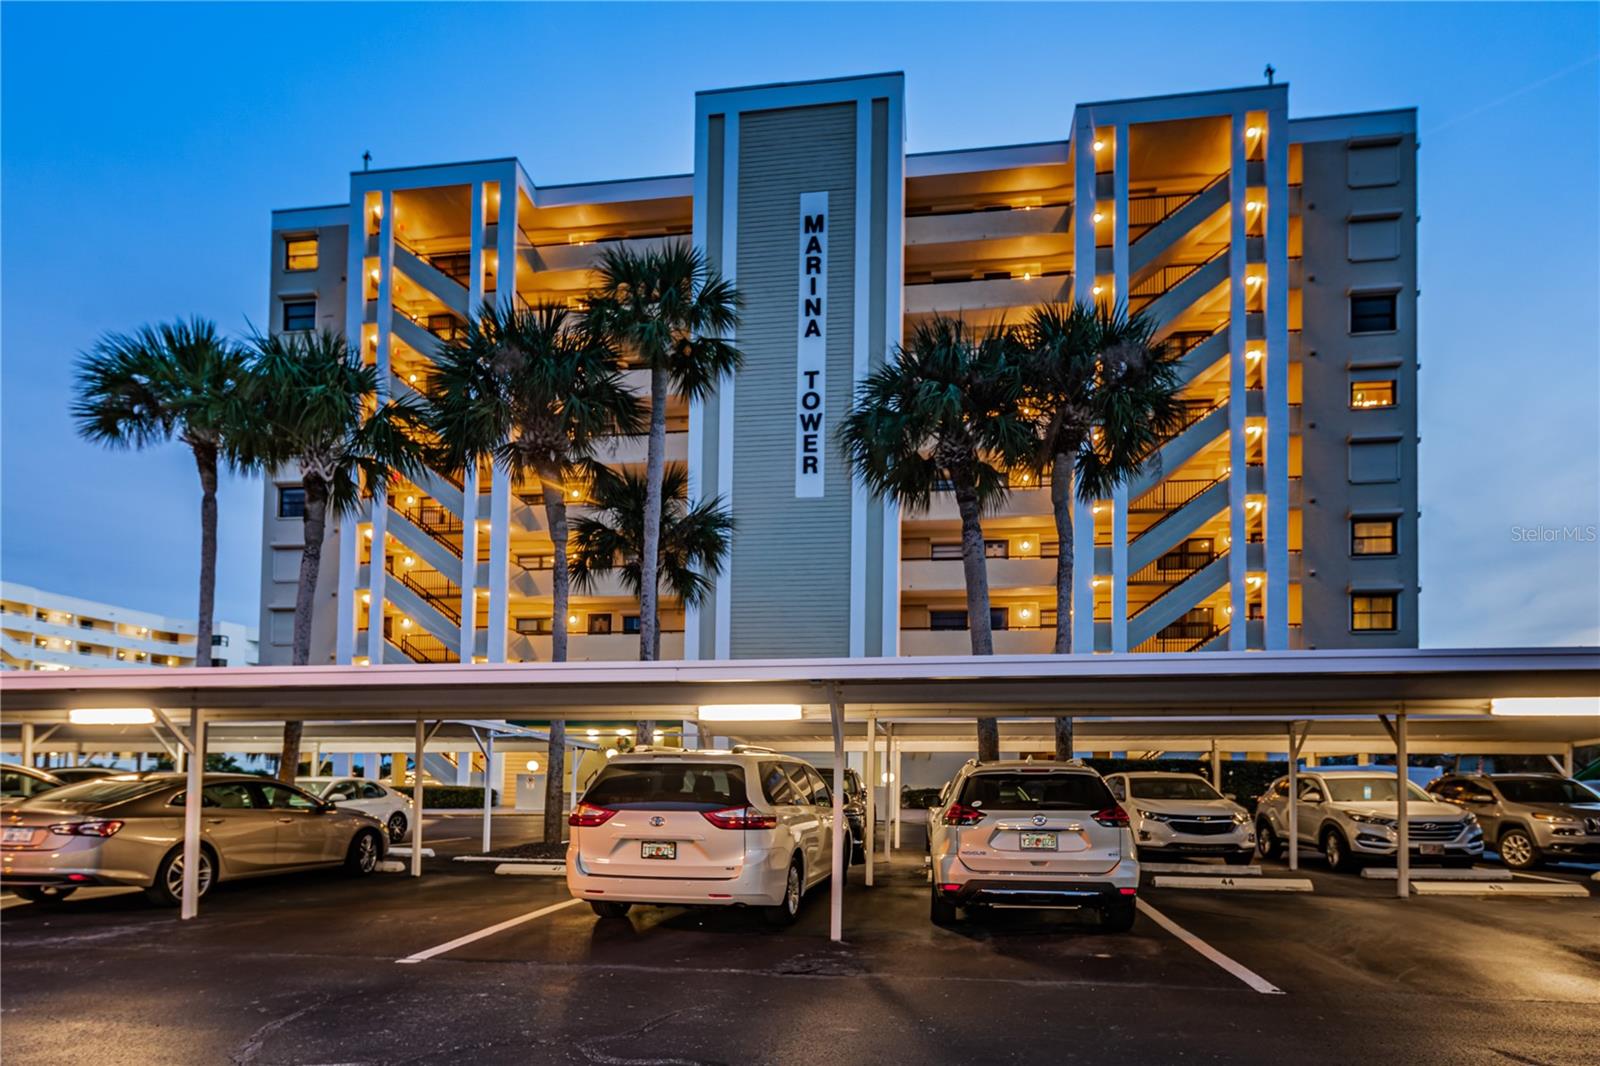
x=464 y=797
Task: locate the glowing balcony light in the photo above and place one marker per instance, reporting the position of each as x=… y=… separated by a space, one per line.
x=572 y=619
x=409 y=561
x=366 y=597
x=533 y=766
x=624 y=732
x=591 y=733
x=1253 y=131
x=1553 y=706
x=1252 y=355
x=411 y=501
x=1098 y=145
x=1097 y=289
x=1099 y=216
x=111 y=716
x=749 y=712
x=405 y=623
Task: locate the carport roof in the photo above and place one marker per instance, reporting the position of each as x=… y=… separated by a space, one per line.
x=1278 y=685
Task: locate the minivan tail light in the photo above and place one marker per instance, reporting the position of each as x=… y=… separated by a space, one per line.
x=587 y=816
x=740 y=818
x=87 y=829
x=1112 y=816
x=960 y=814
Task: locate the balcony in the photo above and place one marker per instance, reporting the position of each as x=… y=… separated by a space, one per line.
x=959 y=227
x=946 y=575
x=1019 y=503
x=986 y=294
x=554 y=258
x=620 y=451
x=590 y=647
x=956 y=642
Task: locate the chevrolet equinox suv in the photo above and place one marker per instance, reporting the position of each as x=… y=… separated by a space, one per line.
x=1034 y=835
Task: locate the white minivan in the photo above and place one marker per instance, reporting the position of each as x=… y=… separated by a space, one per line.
x=746 y=827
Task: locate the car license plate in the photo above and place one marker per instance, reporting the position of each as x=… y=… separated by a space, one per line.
x=17 y=834
x=658 y=849
x=1432 y=849
x=1038 y=842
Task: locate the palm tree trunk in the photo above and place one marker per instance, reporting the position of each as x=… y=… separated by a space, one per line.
x=975 y=569
x=205 y=458
x=650 y=546
x=1061 y=505
x=1064 y=738
x=555 y=775
x=312 y=524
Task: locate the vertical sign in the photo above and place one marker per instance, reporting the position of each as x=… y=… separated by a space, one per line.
x=811 y=349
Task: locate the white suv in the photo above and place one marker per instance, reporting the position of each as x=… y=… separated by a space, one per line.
x=1350 y=816
x=746 y=827
x=1181 y=815
x=1031 y=834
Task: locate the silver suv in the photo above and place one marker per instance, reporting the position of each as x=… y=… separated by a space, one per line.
x=1035 y=835
x=1350 y=816
x=1181 y=815
x=1529 y=817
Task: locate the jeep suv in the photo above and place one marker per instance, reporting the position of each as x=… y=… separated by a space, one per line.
x=1034 y=835
x=1529 y=817
x=746 y=827
x=1352 y=816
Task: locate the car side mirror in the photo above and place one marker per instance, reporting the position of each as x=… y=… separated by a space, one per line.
x=1480 y=799
x=326 y=807
x=1312 y=796
x=1234 y=796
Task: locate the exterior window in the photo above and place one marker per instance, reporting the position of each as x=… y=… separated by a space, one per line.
x=999 y=618
x=996 y=549
x=291 y=502
x=219 y=640
x=300 y=253
x=599 y=624
x=1374 y=612
x=945 y=551
x=1373 y=313
x=1373 y=536
x=1365 y=394
x=533 y=625
x=1047 y=618
x=299 y=315
x=630 y=623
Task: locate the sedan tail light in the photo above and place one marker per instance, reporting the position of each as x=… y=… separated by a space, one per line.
x=87 y=829
x=960 y=814
x=587 y=816
x=740 y=818
x=1112 y=816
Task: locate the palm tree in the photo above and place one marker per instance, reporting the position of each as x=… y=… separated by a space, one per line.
x=692 y=548
x=537 y=393
x=175 y=379
x=947 y=412
x=667 y=311
x=1106 y=395
x=317 y=407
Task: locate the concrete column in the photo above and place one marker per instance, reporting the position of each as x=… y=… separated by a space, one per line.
x=380 y=495
x=1216 y=767
x=416 y=803
x=1402 y=804
x=463 y=768
x=839 y=859
x=1119 y=496
x=191 y=817
x=870 y=777
x=27 y=744
x=488 y=794
x=1083 y=281
x=1238 y=400
x=1275 y=523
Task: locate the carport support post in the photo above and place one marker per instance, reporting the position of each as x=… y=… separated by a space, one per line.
x=488 y=792
x=27 y=745
x=191 y=816
x=416 y=805
x=1402 y=859
x=870 y=774
x=1216 y=766
x=891 y=815
x=1294 y=804
x=836 y=882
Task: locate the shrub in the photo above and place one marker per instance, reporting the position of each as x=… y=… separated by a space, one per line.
x=453 y=797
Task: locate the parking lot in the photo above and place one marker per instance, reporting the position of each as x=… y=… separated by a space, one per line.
x=462 y=964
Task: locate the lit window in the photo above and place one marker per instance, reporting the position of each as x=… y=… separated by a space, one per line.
x=299 y=315
x=1373 y=313
x=291 y=502
x=1373 y=536
x=300 y=253
x=630 y=623
x=1373 y=612
x=1364 y=394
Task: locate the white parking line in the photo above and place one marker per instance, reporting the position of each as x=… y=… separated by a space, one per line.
x=1248 y=976
x=460 y=941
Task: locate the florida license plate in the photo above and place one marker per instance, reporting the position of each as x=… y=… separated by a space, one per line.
x=1432 y=849
x=1038 y=842
x=17 y=834
x=658 y=849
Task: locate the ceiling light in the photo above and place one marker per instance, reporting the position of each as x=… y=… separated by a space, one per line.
x=533 y=766
x=111 y=716
x=624 y=732
x=1099 y=145
x=1099 y=216
x=1554 y=706
x=409 y=561
x=366 y=597
x=591 y=732
x=1253 y=131
x=1097 y=289
x=1252 y=355
x=572 y=619
x=750 y=712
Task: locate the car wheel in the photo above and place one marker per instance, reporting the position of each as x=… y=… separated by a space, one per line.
x=1267 y=842
x=941 y=911
x=1337 y=851
x=604 y=908
x=362 y=857
x=43 y=894
x=167 y=889
x=858 y=853
x=793 y=885
x=397 y=827
x=1243 y=858
x=1517 y=849
x=1118 y=917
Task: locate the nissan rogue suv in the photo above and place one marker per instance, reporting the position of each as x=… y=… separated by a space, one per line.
x=1529 y=817
x=1033 y=835
x=1352 y=816
x=746 y=827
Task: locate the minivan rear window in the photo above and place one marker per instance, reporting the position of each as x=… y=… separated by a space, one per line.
x=1036 y=791
x=664 y=786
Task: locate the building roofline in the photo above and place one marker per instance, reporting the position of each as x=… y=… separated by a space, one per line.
x=1193 y=94
x=1062 y=141
x=441 y=166
x=310 y=207
x=804 y=81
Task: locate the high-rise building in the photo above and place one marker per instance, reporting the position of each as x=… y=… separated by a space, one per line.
x=42 y=630
x=1277 y=254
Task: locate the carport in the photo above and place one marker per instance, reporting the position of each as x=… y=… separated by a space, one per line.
x=1163 y=702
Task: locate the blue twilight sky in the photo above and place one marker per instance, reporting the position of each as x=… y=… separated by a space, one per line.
x=143 y=147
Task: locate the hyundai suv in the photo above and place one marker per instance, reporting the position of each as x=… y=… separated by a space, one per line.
x=1034 y=835
x=1529 y=817
x=1181 y=815
x=746 y=827
x=1353 y=816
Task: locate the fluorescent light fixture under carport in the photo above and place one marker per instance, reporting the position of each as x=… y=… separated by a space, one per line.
x=1552 y=706
x=111 y=716
x=750 y=712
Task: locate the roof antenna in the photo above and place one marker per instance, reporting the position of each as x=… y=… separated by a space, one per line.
x=366 y=157
x=1269 y=72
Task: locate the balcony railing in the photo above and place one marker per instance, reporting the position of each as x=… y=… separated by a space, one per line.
x=1172 y=568
x=440 y=593
x=428 y=515
x=1182 y=637
x=425 y=648
x=1163 y=280
x=1147 y=212
x=1168 y=496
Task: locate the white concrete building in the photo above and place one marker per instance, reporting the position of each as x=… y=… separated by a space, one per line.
x=42 y=630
